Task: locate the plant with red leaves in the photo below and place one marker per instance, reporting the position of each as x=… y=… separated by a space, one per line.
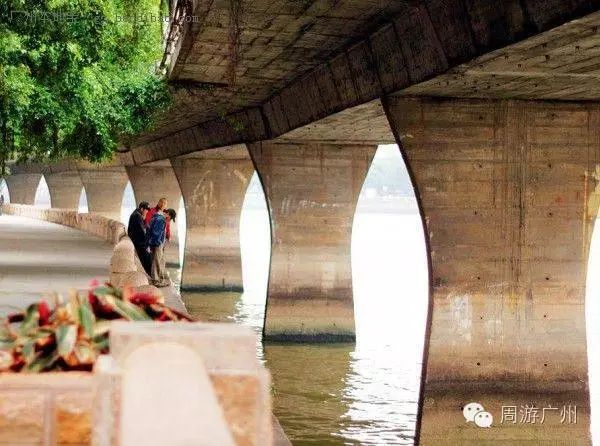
x=71 y=335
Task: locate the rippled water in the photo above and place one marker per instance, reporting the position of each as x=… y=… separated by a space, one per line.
x=344 y=394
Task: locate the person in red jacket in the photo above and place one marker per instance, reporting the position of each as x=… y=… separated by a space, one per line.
x=160 y=206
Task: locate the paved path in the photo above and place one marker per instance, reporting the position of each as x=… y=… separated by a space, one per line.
x=37 y=257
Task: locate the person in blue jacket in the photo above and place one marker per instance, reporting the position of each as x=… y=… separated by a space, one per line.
x=155 y=240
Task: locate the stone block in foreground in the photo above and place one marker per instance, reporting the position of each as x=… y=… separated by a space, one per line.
x=188 y=383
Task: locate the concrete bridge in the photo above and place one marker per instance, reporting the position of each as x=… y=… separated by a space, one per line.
x=495 y=108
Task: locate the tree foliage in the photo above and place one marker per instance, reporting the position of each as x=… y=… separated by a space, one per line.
x=77 y=77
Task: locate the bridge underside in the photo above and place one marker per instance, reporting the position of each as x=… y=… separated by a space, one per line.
x=503 y=147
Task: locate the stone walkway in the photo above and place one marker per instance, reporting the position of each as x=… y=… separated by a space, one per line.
x=37 y=258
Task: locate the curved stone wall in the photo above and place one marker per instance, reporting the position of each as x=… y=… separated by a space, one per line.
x=108 y=229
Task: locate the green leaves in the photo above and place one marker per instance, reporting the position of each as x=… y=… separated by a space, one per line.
x=77 y=76
x=87 y=319
x=66 y=336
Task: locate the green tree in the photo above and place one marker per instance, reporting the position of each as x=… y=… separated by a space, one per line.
x=77 y=77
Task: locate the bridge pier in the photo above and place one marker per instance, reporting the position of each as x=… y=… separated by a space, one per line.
x=104 y=189
x=509 y=194
x=150 y=182
x=22 y=187
x=213 y=184
x=312 y=191
x=65 y=189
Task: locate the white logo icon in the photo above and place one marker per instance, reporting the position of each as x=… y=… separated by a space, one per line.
x=476 y=413
x=484 y=419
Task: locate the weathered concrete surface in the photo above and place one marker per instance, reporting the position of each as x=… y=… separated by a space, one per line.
x=22 y=187
x=311 y=192
x=558 y=64
x=151 y=182
x=104 y=189
x=301 y=61
x=213 y=184
x=65 y=189
x=38 y=257
x=509 y=194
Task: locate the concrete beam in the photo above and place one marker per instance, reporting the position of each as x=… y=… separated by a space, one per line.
x=311 y=192
x=508 y=191
x=65 y=189
x=151 y=182
x=22 y=187
x=213 y=184
x=104 y=190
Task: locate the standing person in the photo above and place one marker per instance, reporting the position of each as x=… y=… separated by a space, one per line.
x=155 y=238
x=1 y=202
x=136 y=230
x=160 y=207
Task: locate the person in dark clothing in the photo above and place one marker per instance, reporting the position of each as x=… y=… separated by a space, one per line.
x=136 y=230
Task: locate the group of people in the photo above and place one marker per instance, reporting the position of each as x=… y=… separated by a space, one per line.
x=149 y=229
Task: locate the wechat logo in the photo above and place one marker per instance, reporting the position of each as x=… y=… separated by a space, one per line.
x=474 y=412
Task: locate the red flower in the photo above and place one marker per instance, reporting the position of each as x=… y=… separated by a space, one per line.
x=143 y=299
x=92 y=299
x=44 y=311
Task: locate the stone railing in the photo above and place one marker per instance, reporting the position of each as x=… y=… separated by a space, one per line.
x=110 y=230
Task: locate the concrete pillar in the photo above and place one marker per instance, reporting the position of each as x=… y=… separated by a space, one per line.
x=509 y=195
x=22 y=187
x=213 y=184
x=104 y=189
x=150 y=182
x=311 y=192
x=65 y=189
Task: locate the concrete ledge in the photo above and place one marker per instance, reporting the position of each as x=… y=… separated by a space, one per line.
x=212 y=289
x=308 y=338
